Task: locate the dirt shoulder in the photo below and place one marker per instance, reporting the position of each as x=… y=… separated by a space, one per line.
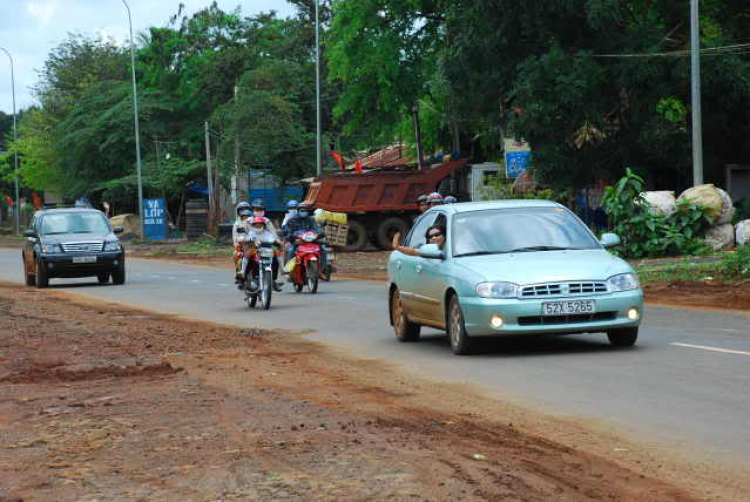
x=99 y=401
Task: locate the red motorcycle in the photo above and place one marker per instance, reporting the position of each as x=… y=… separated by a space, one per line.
x=307 y=261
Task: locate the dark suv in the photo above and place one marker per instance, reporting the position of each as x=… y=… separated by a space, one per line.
x=72 y=243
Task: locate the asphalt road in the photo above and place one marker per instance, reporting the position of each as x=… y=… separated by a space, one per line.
x=686 y=384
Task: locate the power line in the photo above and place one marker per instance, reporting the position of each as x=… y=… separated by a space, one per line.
x=709 y=51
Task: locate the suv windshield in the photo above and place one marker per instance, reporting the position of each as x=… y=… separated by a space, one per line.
x=519 y=230
x=74 y=223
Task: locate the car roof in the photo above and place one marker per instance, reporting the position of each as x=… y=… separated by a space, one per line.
x=42 y=212
x=464 y=207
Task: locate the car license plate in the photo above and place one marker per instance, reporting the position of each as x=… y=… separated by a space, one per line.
x=84 y=259
x=569 y=307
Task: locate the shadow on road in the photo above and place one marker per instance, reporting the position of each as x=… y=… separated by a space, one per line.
x=531 y=345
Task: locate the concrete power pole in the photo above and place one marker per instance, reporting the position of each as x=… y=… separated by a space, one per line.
x=695 y=81
x=318 y=165
x=211 y=195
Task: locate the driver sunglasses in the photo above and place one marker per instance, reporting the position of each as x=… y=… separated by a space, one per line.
x=435 y=234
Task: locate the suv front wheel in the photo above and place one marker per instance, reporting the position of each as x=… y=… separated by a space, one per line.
x=118 y=276
x=42 y=280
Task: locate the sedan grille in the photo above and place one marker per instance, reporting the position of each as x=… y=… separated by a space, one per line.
x=563 y=289
x=539 y=320
x=83 y=247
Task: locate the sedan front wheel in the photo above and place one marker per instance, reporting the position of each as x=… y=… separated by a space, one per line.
x=460 y=341
x=405 y=330
x=623 y=337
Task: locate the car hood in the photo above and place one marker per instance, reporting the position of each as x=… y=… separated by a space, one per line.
x=545 y=266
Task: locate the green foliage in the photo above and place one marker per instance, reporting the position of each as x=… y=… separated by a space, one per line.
x=501 y=188
x=736 y=265
x=647 y=235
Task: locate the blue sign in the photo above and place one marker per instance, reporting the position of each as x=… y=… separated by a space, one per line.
x=516 y=163
x=517 y=155
x=155 y=219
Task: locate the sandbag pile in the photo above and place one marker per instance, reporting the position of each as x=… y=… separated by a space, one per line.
x=660 y=202
x=742 y=233
x=718 y=206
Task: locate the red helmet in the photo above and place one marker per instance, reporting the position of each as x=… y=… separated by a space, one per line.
x=258 y=220
x=435 y=198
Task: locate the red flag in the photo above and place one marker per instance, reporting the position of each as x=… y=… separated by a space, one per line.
x=339 y=158
x=358 y=166
x=9 y=201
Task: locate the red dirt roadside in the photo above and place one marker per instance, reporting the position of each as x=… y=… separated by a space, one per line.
x=103 y=402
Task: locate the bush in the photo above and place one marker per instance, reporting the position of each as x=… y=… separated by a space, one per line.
x=501 y=188
x=647 y=235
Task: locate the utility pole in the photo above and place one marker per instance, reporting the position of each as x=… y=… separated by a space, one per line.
x=17 y=209
x=211 y=195
x=319 y=168
x=135 y=115
x=237 y=192
x=695 y=74
x=418 y=136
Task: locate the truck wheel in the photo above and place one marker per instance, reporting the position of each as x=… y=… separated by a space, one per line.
x=387 y=229
x=356 y=239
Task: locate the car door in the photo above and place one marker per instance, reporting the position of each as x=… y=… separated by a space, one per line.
x=406 y=266
x=431 y=282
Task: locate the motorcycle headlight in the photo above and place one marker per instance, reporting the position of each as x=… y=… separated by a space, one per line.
x=51 y=248
x=112 y=246
x=623 y=282
x=309 y=238
x=497 y=290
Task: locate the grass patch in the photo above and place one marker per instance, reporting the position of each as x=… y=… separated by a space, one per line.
x=202 y=247
x=732 y=266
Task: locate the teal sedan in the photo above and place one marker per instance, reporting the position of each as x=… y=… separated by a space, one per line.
x=509 y=268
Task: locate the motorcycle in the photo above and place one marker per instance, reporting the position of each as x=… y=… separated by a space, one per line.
x=258 y=272
x=307 y=261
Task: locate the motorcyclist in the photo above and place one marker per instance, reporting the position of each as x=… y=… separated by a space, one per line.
x=434 y=199
x=238 y=249
x=301 y=222
x=259 y=211
x=292 y=208
x=422 y=204
x=259 y=231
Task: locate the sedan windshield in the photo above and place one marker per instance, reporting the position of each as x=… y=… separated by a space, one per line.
x=519 y=230
x=74 y=223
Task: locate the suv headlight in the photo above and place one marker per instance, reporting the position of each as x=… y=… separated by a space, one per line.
x=623 y=282
x=497 y=290
x=51 y=248
x=112 y=246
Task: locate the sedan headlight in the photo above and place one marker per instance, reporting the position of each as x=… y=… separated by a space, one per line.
x=623 y=282
x=497 y=290
x=51 y=248
x=112 y=246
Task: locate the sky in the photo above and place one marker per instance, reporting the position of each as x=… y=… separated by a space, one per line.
x=29 y=29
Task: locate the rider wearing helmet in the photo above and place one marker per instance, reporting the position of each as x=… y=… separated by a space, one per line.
x=450 y=200
x=259 y=210
x=434 y=199
x=302 y=221
x=291 y=211
x=422 y=204
x=238 y=249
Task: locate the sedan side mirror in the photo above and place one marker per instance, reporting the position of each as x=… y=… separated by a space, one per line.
x=431 y=251
x=29 y=233
x=610 y=240
x=118 y=230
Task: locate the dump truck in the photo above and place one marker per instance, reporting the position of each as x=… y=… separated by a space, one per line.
x=381 y=202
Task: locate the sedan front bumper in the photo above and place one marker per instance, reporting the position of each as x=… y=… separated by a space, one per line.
x=524 y=316
x=63 y=265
